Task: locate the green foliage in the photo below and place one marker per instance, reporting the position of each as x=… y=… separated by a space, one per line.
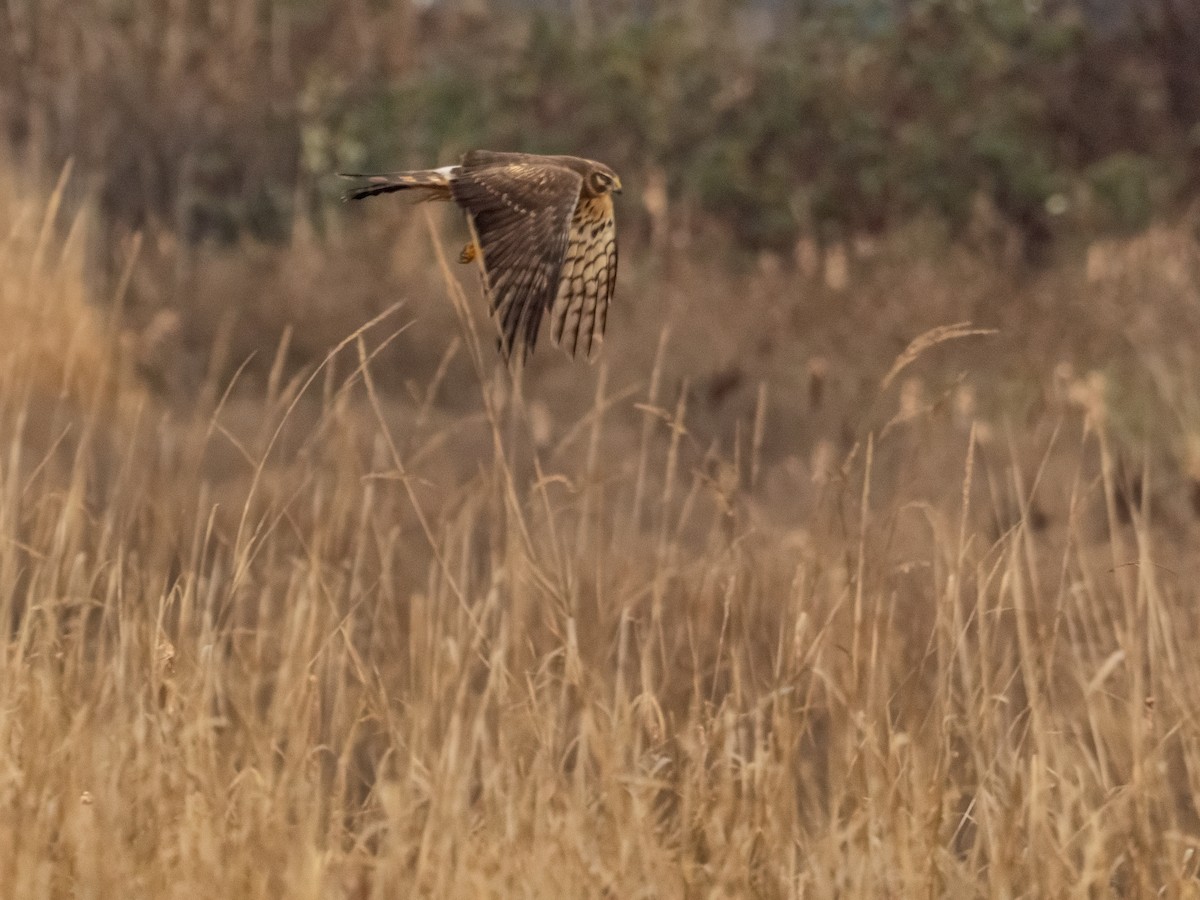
x=828 y=126
x=842 y=117
x=1124 y=186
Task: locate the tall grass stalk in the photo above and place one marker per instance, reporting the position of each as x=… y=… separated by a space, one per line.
x=275 y=646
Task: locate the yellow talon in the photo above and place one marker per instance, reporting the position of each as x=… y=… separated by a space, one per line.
x=469 y=253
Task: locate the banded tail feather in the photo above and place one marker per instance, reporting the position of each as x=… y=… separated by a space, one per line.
x=427 y=184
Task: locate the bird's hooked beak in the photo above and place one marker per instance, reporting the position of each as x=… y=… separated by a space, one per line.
x=616 y=185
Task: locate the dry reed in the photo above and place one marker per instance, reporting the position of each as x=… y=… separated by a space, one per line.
x=276 y=646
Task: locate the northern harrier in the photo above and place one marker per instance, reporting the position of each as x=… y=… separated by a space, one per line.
x=544 y=231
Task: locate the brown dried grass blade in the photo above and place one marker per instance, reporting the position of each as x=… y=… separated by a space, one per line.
x=925 y=341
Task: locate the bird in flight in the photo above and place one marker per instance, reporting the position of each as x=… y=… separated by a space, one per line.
x=543 y=230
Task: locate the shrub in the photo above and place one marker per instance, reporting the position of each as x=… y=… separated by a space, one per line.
x=846 y=118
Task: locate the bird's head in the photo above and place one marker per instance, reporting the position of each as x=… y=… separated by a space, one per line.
x=601 y=180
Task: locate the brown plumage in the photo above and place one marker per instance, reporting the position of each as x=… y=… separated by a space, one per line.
x=544 y=232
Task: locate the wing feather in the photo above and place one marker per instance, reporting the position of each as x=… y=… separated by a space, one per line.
x=589 y=277
x=520 y=211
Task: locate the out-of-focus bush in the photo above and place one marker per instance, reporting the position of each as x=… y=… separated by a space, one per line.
x=224 y=119
x=1125 y=187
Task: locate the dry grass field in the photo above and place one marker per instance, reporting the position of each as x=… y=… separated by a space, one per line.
x=806 y=590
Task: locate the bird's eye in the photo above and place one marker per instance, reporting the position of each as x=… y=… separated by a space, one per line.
x=600 y=182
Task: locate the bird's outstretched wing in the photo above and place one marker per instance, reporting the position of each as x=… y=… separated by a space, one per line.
x=520 y=211
x=588 y=278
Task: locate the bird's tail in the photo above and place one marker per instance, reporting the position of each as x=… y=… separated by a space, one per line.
x=428 y=184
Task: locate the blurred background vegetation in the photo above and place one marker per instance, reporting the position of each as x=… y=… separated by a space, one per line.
x=773 y=121
x=857 y=171
x=304 y=606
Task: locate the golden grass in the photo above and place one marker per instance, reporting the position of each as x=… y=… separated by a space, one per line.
x=317 y=641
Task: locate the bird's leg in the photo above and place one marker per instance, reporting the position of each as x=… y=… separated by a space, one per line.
x=469 y=253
